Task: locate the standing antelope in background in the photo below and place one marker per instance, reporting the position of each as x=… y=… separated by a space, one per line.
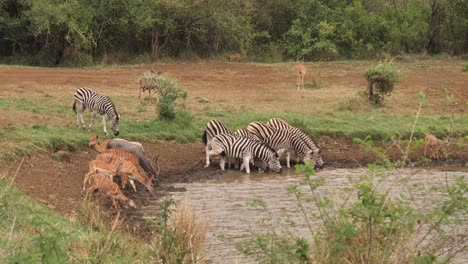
x=148 y=84
x=435 y=147
x=301 y=71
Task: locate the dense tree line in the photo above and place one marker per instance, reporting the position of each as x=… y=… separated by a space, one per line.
x=78 y=32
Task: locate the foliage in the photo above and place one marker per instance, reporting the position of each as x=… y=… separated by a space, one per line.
x=381 y=80
x=52 y=32
x=465 y=66
x=169 y=91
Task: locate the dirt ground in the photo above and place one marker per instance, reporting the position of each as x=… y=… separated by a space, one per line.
x=255 y=86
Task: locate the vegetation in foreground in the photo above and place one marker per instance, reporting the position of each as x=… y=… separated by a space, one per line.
x=365 y=222
x=33 y=233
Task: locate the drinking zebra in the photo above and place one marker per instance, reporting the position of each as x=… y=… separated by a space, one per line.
x=244 y=148
x=243 y=132
x=213 y=128
x=281 y=141
x=97 y=103
x=282 y=124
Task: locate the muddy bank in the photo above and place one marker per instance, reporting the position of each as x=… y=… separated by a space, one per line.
x=57 y=183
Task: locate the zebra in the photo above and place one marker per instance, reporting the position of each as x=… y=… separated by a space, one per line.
x=213 y=128
x=244 y=148
x=243 y=132
x=282 y=124
x=281 y=141
x=98 y=103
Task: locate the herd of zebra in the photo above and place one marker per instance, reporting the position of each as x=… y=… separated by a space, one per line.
x=264 y=142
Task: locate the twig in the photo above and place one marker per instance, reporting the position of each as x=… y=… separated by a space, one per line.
x=305 y=214
x=11 y=230
x=16 y=173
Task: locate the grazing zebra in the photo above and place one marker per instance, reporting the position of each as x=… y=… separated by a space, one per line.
x=244 y=148
x=281 y=141
x=281 y=124
x=213 y=128
x=98 y=103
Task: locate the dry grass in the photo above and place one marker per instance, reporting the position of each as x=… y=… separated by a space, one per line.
x=189 y=228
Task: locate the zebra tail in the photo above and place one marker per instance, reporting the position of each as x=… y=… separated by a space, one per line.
x=74 y=106
x=204 y=138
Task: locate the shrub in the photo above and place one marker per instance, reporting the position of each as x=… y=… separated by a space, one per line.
x=381 y=80
x=465 y=66
x=169 y=92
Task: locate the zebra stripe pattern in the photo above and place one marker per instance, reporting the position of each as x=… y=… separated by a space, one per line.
x=283 y=125
x=244 y=148
x=281 y=141
x=213 y=128
x=98 y=104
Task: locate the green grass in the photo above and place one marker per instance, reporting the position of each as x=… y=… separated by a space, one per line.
x=20 y=140
x=32 y=233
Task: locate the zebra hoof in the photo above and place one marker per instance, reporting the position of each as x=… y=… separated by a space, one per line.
x=206 y=166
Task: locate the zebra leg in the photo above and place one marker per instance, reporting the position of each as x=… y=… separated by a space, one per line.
x=288 y=159
x=222 y=162
x=92 y=120
x=246 y=164
x=104 y=124
x=207 y=156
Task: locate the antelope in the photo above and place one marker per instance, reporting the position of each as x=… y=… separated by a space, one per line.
x=435 y=147
x=148 y=84
x=134 y=148
x=108 y=187
x=301 y=71
x=130 y=169
x=104 y=168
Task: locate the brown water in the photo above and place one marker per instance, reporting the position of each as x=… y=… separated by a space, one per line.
x=227 y=203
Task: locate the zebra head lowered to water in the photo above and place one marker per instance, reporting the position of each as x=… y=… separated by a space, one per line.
x=315 y=156
x=98 y=104
x=244 y=148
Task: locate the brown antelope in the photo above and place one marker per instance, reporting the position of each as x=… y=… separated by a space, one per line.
x=435 y=147
x=104 y=168
x=99 y=147
x=301 y=71
x=148 y=84
x=108 y=187
x=234 y=57
x=130 y=169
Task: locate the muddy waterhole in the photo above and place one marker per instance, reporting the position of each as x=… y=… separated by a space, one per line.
x=238 y=206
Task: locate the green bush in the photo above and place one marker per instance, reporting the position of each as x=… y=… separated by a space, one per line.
x=465 y=66
x=169 y=92
x=381 y=81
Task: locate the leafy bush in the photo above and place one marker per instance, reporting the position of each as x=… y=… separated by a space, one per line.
x=169 y=92
x=465 y=66
x=381 y=80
